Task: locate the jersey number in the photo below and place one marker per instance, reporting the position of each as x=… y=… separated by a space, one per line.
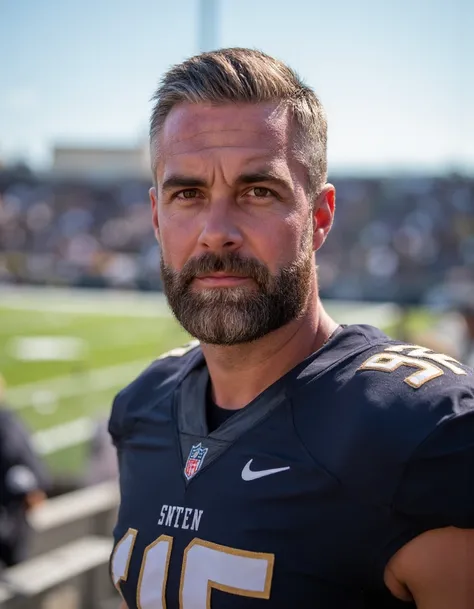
x=206 y=565
x=422 y=359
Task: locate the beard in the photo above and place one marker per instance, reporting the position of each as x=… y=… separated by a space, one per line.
x=239 y=314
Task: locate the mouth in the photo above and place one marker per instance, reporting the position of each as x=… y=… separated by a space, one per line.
x=220 y=280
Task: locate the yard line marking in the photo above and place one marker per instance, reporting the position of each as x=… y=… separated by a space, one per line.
x=65 y=435
x=86 y=302
x=107 y=309
x=74 y=384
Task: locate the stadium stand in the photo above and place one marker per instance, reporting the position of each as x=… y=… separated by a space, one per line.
x=71 y=549
x=72 y=576
x=68 y=517
x=394 y=238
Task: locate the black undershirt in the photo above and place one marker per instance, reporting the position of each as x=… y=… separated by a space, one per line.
x=216 y=415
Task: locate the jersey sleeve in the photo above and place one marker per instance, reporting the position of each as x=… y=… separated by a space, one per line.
x=437 y=486
x=117 y=424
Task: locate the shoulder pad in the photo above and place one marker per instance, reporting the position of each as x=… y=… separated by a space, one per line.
x=384 y=402
x=413 y=377
x=151 y=387
x=407 y=392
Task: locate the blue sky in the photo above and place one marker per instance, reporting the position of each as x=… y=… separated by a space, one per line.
x=396 y=78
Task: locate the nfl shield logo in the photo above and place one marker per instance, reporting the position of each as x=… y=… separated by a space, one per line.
x=195 y=459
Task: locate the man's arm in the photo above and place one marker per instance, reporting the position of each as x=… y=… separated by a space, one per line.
x=436 y=570
x=24 y=471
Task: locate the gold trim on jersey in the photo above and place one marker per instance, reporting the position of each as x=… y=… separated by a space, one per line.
x=124 y=577
x=264 y=594
x=165 y=570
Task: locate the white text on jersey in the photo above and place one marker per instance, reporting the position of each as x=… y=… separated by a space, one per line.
x=180 y=517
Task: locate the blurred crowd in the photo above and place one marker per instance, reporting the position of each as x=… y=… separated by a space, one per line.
x=399 y=239
x=393 y=239
x=77 y=234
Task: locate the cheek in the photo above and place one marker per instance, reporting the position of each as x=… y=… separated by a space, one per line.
x=177 y=240
x=279 y=243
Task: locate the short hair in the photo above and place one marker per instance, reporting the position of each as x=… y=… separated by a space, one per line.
x=238 y=75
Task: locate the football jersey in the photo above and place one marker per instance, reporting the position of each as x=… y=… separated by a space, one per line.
x=300 y=498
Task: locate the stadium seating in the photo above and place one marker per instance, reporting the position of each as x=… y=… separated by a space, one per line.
x=71 y=576
x=393 y=239
x=70 y=554
x=63 y=519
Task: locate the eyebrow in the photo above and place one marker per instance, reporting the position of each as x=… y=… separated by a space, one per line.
x=263 y=176
x=255 y=177
x=182 y=181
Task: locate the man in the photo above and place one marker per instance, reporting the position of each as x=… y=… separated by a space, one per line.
x=467 y=312
x=454 y=331
x=458 y=323
x=23 y=482
x=285 y=461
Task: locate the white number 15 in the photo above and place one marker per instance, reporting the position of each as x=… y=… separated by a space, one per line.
x=205 y=566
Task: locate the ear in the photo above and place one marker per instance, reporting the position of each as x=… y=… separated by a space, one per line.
x=324 y=207
x=154 y=212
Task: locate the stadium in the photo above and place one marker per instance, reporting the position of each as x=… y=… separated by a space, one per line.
x=82 y=313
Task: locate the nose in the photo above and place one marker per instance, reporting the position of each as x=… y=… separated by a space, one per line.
x=220 y=232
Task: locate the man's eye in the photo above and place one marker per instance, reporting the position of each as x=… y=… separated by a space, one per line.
x=261 y=192
x=189 y=193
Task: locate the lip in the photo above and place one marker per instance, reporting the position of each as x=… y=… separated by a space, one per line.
x=220 y=280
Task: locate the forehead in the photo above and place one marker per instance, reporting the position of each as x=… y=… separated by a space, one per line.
x=246 y=131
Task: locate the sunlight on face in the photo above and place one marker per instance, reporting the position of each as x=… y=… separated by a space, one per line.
x=231 y=201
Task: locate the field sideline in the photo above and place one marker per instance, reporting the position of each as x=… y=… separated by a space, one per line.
x=65 y=353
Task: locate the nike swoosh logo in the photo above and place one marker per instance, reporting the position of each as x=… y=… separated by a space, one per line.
x=248 y=474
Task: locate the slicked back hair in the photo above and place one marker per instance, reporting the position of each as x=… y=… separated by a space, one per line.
x=239 y=75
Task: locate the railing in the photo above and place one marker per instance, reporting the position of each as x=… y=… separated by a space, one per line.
x=71 y=546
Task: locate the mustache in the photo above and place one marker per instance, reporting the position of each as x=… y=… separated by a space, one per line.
x=231 y=263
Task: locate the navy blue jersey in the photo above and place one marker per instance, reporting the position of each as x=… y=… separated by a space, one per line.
x=300 y=498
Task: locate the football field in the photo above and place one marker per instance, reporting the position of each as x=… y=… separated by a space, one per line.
x=64 y=354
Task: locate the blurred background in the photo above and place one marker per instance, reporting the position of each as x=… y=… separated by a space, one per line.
x=81 y=311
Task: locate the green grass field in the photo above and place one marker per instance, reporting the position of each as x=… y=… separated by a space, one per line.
x=64 y=355
x=63 y=367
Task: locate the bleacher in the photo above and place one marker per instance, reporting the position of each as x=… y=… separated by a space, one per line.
x=394 y=238
x=71 y=546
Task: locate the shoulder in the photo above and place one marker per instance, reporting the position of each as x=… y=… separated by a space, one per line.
x=415 y=380
x=11 y=425
x=7 y=416
x=411 y=387
x=383 y=407
x=389 y=382
x=152 y=386
x=376 y=374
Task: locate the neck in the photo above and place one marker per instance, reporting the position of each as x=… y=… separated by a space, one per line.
x=240 y=373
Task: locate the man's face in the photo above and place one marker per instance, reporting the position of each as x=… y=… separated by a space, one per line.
x=235 y=226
